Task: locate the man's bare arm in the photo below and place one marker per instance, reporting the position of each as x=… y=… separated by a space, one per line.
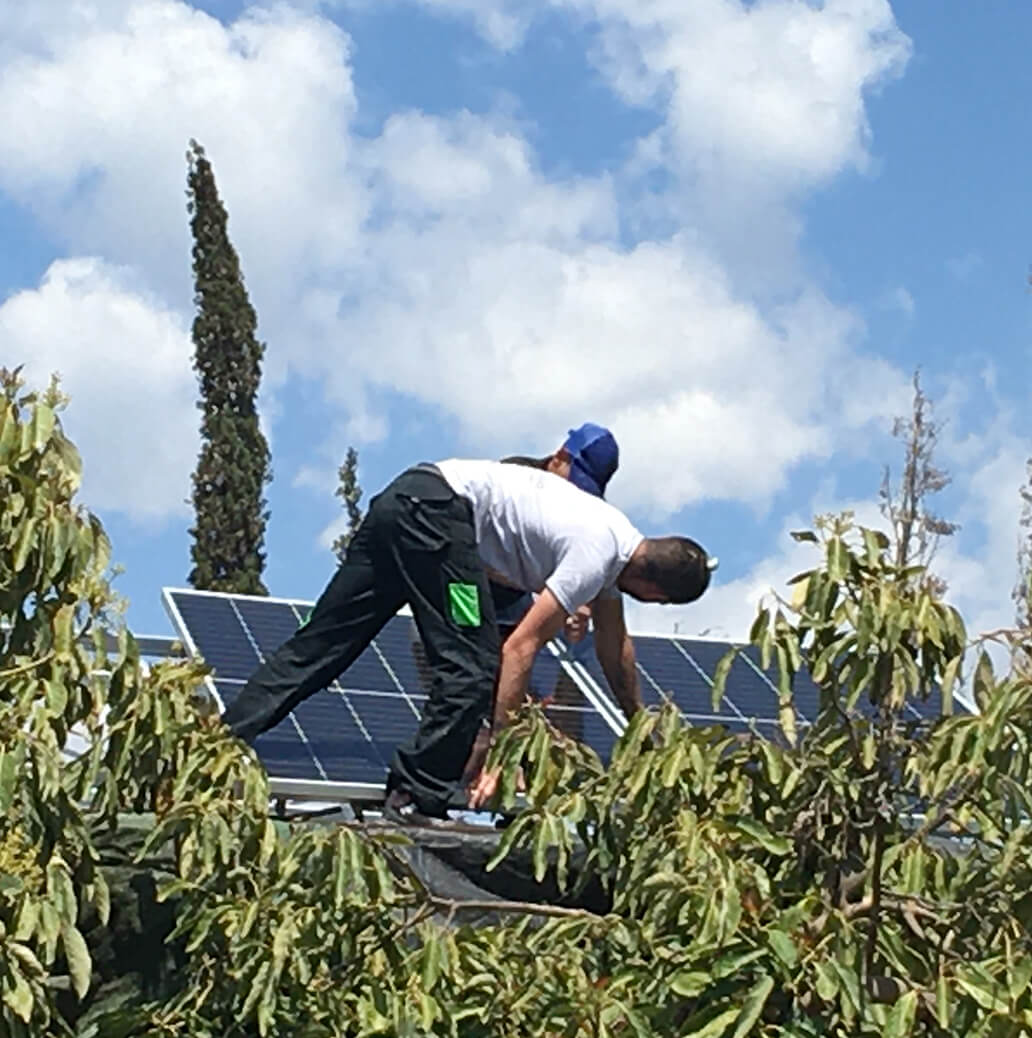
x=615 y=653
x=542 y=622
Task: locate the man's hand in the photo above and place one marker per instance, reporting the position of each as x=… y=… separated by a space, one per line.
x=486 y=785
x=575 y=628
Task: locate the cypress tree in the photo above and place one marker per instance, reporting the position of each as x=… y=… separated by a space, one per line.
x=233 y=466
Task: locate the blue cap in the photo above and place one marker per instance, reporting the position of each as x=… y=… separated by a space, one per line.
x=594 y=457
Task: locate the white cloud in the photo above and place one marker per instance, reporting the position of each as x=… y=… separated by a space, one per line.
x=99 y=121
x=729 y=606
x=439 y=261
x=978 y=563
x=770 y=95
x=524 y=328
x=125 y=360
x=332 y=530
x=772 y=90
x=761 y=102
x=503 y=24
x=100 y=106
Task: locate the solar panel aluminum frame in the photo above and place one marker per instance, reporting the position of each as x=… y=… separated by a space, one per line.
x=601 y=701
x=328 y=791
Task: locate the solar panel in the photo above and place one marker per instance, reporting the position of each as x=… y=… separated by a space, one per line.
x=339 y=741
x=680 y=670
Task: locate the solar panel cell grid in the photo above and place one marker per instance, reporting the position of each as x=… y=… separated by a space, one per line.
x=669 y=676
x=280 y=749
x=394 y=662
x=218 y=636
x=269 y=624
x=389 y=720
x=337 y=740
x=746 y=693
x=929 y=709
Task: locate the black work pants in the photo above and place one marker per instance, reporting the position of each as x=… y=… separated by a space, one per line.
x=417 y=544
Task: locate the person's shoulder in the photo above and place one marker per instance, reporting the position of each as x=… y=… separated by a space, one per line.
x=617 y=522
x=469 y=466
x=592 y=513
x=499 y=477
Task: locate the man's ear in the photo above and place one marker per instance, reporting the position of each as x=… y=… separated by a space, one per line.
x=559 y=463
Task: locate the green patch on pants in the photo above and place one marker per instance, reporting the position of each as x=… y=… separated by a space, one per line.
x=464 y=600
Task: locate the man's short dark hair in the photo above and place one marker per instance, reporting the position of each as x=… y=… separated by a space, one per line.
x=677 y=566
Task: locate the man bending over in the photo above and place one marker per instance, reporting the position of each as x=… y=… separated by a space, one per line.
x=433 y=538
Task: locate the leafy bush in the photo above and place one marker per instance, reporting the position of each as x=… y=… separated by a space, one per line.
x=866 y=875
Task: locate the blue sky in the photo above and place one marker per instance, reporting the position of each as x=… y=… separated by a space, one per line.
x=730 y=231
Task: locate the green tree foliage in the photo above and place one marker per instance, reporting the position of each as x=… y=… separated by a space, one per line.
x=66 y=664
x=233 y=467
x=867 y=875
x=350 y=493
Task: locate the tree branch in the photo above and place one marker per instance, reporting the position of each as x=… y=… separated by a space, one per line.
x=510 y=907
x=26 y=667
x=875 y=898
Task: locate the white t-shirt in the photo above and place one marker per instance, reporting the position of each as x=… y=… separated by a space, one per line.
x=538 y=530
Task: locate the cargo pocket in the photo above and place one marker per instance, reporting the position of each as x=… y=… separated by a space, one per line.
x=464 y=604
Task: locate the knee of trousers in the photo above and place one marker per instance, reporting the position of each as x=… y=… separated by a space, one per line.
x=459 y=705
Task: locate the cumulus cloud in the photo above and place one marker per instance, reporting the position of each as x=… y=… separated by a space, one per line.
x=99 y=120
x=124 y=358
x=773 y=91
x=503 y=23
x=981 y=567
x=729 y=606
x=762 y=102
x=478 y=285
x=508 y=301
x=978 y=563
x=100 y=102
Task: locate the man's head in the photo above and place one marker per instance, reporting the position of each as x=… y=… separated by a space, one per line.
x=674 y=570
x=588 y=458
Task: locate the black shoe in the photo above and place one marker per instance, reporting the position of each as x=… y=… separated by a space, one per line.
x=400 y=809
